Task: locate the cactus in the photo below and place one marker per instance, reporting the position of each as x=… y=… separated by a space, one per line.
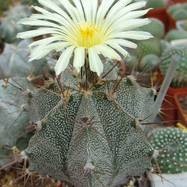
x=171 y=144
x=151 y=46
x=29 y=2
x=149 y=63
x=13 y=118
x=88 y=129
x=156 y=3
x=180 y=78
x=178 y=11
x=16 y=56
x=9 y=26
x=176 y=35
x=182 y=25
x=156 y=28
x=90 y=138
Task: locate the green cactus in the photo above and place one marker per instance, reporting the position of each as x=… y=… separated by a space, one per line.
x=29 y=2
x=149 y=63
x=87 y=137
x=180 y=78
x=91 y=137
x=151 y=46
x=176 y=35
x=13 y=111
x=16 y=56
x=171 y=144
x=182 y=25
x=14 y=118
x=9 y=26
x=178 y=11
x=156 y=28
x=156 y=3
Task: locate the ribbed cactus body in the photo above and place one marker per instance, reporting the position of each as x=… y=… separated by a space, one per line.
x=172 y=146
x=9 y=26
x=13 y=115
x=179 y=52
x=15 y=62
x=91 y=138
x=14 y=118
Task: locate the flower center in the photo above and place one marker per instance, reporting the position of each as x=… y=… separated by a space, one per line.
x=89 y=36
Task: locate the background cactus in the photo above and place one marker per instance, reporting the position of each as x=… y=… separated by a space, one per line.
x=171 y=144
x=13 y=119
x=149 y=63
x=151 y=46
x=9 y=26
x=176 y=35
x=156 y=3
x=155 y=27
x=16 y=56
x=178 y=11
x=180 y=78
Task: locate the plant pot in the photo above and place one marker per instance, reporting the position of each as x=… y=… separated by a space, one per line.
x=169 y=180
x=180 y=98
x=169 y=111
x=164 y=16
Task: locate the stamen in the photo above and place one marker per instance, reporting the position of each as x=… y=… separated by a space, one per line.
x=89 y=36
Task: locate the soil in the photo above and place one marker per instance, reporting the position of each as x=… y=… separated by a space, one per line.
x=15 y=177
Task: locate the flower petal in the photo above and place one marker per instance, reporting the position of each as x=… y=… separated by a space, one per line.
x=108 y=52
x=38 y=32
x=117 y=7
x=95 y=62
x=103 y=9
x=118 y=48
x=130 y=24
x=80 y=10
x=54 y=7
x=79 y=58
x=45 y=41
x=42 y=50
x=64 y=60
x=134 y=35
x=122 y=42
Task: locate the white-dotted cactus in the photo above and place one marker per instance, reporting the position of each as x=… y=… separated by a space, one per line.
x=92 y=138
x=171 y=144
